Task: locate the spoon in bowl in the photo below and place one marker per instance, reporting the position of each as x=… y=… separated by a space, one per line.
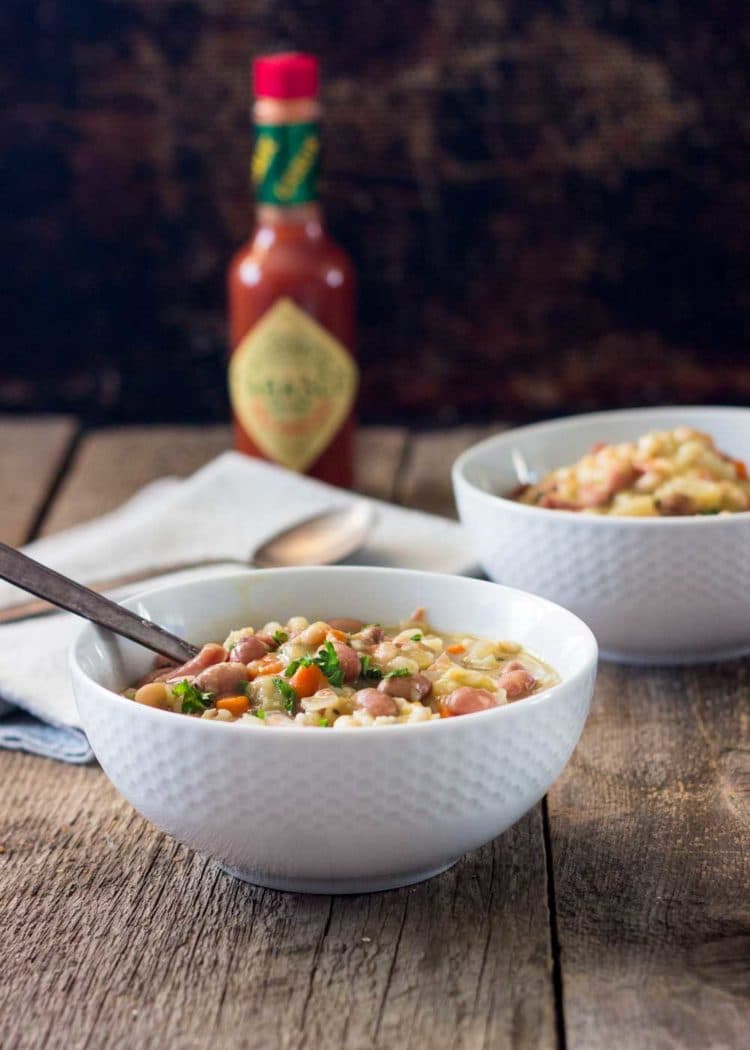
x=32 y=576
x=524 y=473
x=326 y=537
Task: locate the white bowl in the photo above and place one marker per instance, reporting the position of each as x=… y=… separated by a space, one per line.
x=326 y=810
x=654 y=590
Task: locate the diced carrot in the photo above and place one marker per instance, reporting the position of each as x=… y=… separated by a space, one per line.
x=236 y=705
x=307 y=680
x=741 y=469
x=269 y=664
x=342 y=636
x=444 y=712
x=455 y=649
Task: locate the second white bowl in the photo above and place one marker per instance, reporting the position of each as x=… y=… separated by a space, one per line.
x=654 y=590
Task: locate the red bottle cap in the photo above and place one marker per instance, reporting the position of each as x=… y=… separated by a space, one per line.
x=287 y=76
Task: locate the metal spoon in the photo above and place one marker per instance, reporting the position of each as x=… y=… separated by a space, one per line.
x=524 y=473
x=36 y=578
x=322 y=539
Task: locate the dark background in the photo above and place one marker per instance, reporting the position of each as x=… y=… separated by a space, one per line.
x=548 y=203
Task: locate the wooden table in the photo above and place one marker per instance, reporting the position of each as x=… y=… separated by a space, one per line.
x=616 y=914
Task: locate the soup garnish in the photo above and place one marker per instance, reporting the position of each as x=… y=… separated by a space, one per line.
x=344 y=672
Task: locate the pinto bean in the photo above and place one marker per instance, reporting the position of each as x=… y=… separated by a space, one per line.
x=346 y=623
x=622 y=477
x=247 y=649
x=223 y=679
x=157 y=674
x=375 y=702
x=384 y=652
x=553 y=502
x=371 y=635
x=411 y=687
x=466 y=700
x=349 y=660
x=213 y=653
x=676 y=504
x=593 y=496
x=517 y=682
x=314 y=635
x=619 y=477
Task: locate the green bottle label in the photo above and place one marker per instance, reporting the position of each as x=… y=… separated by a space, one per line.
x=285 y=163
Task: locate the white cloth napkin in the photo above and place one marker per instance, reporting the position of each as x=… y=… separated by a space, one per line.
x=225 y=510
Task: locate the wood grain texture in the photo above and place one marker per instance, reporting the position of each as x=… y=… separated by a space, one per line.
x=31 y=454
x=650 y=828
x=379 y=454
x=425 y=480
x=114 y=935
x=111 y=465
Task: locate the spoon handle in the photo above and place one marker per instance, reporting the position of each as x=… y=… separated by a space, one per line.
x=30 y=575
x=34 y=608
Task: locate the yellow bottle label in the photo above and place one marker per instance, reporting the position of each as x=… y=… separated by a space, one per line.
x=292 y=385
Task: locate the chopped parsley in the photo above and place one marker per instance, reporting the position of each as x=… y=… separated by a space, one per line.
x=287 y=692
x=326 y=659
x=303 y=661
x=260 y=713
x=368 y=669
x=416 y=637
x=280 y=637
x=329 y=663
x=194 y=702
x=323 y=723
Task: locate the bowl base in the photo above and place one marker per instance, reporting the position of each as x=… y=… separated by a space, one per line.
x=676 y=657
x=334 y=886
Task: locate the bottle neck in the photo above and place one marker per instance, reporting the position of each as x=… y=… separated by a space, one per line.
x=302 y=217
x=286 y=159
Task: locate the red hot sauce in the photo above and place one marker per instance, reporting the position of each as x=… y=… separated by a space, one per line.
x=292 y=375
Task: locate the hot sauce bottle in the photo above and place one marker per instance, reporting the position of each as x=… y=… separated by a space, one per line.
x=292 y=375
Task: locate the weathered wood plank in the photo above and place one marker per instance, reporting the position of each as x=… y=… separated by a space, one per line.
x=425 y=479
x=461 y=961
x=114 y=935
x=379 y=453
x=110 y=465
x=31 y=454
x=121 y=937
x=650 y=829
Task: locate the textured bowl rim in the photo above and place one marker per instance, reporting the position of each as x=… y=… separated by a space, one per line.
x=576 y=680
x=458 y=473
